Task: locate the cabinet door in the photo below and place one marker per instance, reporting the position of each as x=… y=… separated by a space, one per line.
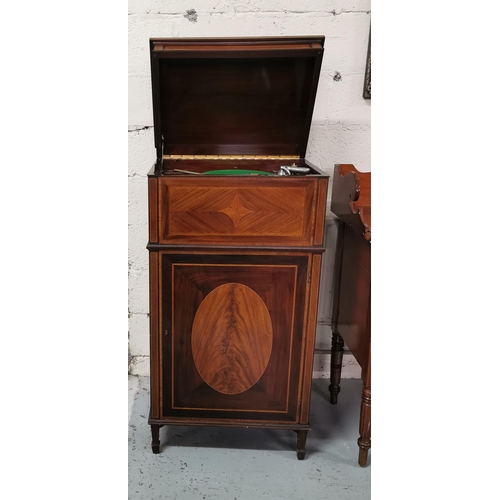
x=233 y=335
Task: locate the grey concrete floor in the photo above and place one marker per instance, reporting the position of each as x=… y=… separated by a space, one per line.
x=238 y=464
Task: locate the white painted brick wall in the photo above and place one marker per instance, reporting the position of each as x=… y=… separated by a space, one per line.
x=340 y=132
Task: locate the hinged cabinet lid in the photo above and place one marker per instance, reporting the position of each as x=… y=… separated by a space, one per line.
x=234 y=96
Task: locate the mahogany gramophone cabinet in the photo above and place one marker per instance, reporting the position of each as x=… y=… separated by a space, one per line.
x=236 y=225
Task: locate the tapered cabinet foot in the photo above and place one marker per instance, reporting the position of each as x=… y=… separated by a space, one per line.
x=155 y=438
x=301 y=444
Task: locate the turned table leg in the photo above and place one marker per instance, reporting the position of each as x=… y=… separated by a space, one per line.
x=301 y=444
x=336 y=367
x=364 y=441
x=155 y=435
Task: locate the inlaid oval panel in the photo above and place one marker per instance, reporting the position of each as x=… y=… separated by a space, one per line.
x=232 y=338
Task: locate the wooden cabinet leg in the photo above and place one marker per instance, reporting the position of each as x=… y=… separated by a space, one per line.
x=301 y=444
x=336 y=367
x=155 y=435
x=364 y=441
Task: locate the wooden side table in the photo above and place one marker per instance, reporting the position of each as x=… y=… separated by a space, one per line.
x=351 y=315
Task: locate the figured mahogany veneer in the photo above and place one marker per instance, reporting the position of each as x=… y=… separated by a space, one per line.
x=351 y=316
x=232 y=338
x=234 y=260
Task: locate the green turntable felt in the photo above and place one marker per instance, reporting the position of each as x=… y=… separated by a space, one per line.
x=237 y=171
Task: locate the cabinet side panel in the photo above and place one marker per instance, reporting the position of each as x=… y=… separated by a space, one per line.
x=310 y=337
x=320 y=211
x=153 y=209
x=154 y=333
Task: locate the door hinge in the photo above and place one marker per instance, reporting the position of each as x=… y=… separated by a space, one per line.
x=166 y=333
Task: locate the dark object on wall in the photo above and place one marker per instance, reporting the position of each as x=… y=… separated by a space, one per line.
x=367 y=89
x=351 y=315
x=234 y=259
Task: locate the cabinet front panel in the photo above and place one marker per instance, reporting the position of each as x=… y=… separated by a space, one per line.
x=233 y=333
x=274 y=211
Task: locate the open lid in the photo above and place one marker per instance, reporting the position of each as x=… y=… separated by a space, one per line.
x=234 y=96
